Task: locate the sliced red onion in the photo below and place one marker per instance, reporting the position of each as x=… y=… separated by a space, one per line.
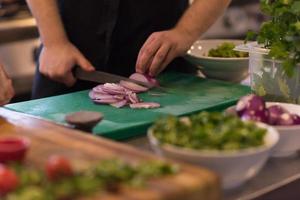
x=250 y=102
x=119 y=97
x=274 y=113
x=113 y=88
x=133 y=98
x=133 y=87
x=106 y=101
x=99 y=89
x=119 y=104
x=92 y=95
x=145 y=105
x=259 y=116
x=102 y=96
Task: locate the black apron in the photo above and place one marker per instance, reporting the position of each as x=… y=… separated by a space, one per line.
x=110 y=34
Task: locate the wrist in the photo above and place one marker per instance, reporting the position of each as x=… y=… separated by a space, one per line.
x=56 y=41
x=189 y=36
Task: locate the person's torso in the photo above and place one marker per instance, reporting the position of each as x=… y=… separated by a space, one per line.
x=111 y=32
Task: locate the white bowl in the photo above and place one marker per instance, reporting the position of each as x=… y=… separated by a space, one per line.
x=234 y=167
x=289 y=143
x=228 y=69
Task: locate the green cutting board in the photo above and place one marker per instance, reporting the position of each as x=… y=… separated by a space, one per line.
x=186 y=94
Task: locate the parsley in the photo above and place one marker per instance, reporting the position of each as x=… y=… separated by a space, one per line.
x=281 y=34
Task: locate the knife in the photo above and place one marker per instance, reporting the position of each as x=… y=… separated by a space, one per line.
x=104 y=77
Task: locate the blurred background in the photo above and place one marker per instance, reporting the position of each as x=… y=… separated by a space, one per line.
x=19 y=37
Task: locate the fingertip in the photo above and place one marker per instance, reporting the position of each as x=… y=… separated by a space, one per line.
x=91 y=68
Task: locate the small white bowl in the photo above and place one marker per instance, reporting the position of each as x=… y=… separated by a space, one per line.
x=234 y=167
x=228 y=69
x=289 y=143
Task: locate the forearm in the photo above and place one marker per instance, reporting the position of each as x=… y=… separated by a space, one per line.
x=200 y=16
x=49 y=22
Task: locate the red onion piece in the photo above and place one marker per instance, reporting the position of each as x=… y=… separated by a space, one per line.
x=119 y=97
x=285 y=119
x=102 y=96
x=92 y=95
x=105 y=101
x=113 y=88
x=274 y=113
x=259 y=116
x=152 y=80
x=99 y=89
x=145 y=105
x=119 y=104
x=133 y=87
x=296 y=119
x=144 y=78
x=133 y=98
x=250 y=103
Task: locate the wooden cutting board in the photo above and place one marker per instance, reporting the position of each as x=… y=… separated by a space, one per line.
x=186 y=94
x=83 y=149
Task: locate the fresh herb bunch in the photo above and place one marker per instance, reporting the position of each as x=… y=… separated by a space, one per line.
x=209 y=131
x=281 y=34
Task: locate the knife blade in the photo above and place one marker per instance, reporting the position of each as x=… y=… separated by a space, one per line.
x=104 y=77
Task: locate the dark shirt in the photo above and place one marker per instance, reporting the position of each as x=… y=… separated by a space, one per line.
x=110 y=33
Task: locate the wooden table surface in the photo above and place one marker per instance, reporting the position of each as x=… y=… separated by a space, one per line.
x=84 y=149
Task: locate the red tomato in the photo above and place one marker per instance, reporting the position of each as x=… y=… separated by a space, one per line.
x=8 y=180
x=58 y=167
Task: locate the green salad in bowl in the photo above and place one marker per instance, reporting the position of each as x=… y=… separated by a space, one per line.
x=216 y=59
x=209 y=131
x=216 y=141
x=226 y=50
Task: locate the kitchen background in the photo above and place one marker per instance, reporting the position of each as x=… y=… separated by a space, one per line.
x=19 y=37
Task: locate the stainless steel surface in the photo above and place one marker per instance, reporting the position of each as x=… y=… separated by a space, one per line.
x=276 y=173
x=103 y=77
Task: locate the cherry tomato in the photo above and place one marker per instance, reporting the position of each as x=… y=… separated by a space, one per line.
x=58 y=167
x=8 y=180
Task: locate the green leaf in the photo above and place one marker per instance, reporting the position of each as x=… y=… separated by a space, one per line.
x=295 y=8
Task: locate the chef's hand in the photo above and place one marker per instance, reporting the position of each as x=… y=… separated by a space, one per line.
x=57 y=62
x=160 y=49
x=6 y=88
